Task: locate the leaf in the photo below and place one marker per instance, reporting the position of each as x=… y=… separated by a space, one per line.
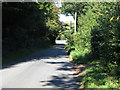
x=111 y=19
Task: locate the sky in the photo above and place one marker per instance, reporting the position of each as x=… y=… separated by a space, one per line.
x=64 y=18
x=58 y=3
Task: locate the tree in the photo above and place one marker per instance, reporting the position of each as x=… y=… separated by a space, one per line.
x=26 y=23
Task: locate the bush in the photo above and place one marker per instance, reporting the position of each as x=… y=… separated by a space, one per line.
x=97 y=35
x=97 y=40
x=97 y=78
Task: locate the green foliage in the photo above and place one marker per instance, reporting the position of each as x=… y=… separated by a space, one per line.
x=24 y=52
x=54 y=28
x=73 y=7
x=97 y=38
x=97 y=78
x=27 y=25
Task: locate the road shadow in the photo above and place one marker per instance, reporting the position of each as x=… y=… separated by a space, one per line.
x=56 y=51
x=66 y=66
x=64 y=80
x=59 y=82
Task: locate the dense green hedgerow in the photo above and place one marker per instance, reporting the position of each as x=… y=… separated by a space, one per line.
x=97 y=38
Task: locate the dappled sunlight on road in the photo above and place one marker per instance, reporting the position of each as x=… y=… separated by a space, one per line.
x=50 y=68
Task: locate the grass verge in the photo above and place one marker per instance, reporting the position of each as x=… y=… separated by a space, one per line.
x=96 y=77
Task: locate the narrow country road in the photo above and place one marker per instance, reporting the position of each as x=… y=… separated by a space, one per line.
x=50 y=68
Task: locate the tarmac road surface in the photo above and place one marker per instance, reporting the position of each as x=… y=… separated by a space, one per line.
x=50 y=68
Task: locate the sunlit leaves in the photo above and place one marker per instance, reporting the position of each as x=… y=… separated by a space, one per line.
x=114 y=18
x=97 y=33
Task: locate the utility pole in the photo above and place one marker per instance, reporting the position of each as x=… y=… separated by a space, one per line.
x=75 y=22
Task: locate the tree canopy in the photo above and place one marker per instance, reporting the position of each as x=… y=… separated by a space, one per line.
x=25 y=24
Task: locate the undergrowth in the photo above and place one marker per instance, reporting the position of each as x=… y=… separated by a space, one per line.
x=22 y=53
x=96 y=77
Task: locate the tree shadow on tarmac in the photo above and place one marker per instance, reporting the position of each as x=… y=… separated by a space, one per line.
x=64 y=80
x=56 y=51
x=61 y=81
